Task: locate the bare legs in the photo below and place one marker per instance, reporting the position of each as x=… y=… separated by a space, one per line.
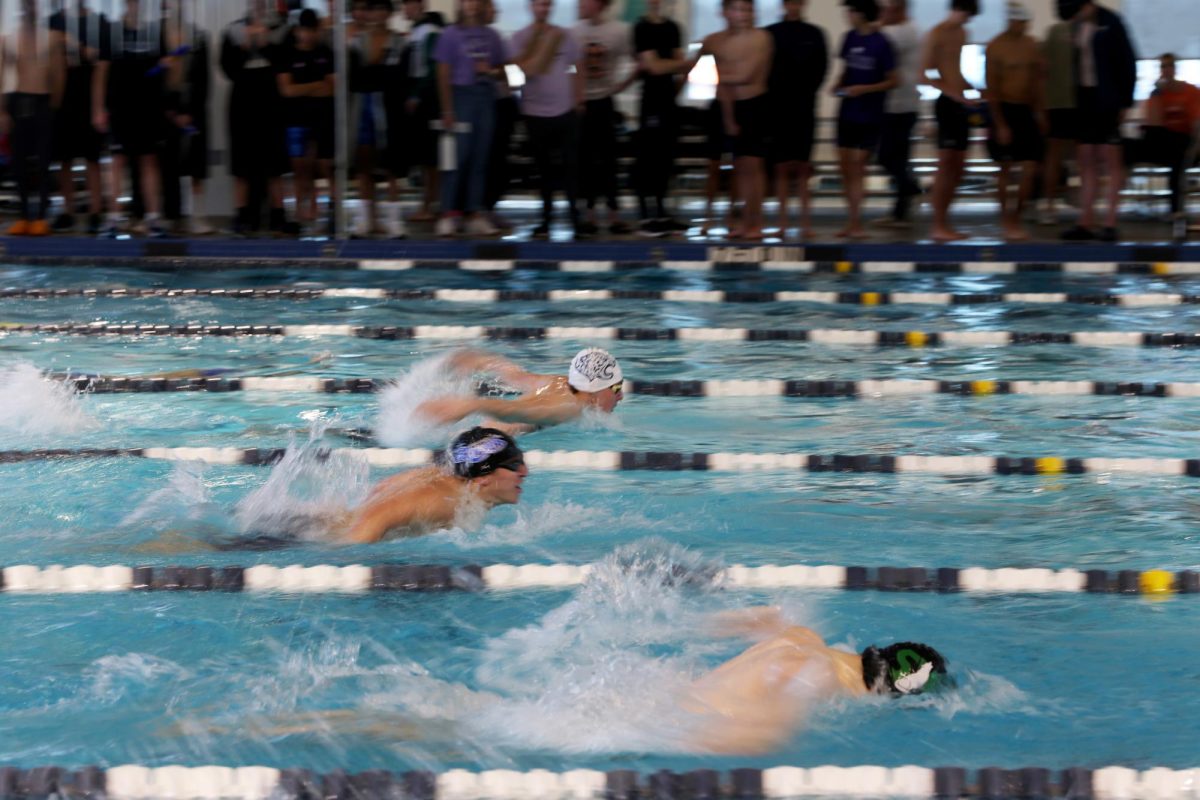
x=945 y=186
x=1010 y=212
x=854 y=166
x=749 y=176
x=798 y=172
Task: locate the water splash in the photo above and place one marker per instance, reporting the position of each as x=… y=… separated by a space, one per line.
x=396 y=425
x=185 y=499
x=547 y=519
x=306 y=492
x=32 y=405
x=604 y=671
x=113 y=678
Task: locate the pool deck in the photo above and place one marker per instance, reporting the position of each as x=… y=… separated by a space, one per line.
x=1145 y=241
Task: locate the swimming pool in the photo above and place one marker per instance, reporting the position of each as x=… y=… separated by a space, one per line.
x=564 y=679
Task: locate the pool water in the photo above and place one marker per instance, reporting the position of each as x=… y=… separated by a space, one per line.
x=586 y=678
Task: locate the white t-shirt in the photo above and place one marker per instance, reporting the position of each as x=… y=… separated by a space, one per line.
x=906 y=42
x=605 y=46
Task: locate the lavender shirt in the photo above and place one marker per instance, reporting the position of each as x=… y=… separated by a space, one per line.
x=552 y=93
x=461 y=47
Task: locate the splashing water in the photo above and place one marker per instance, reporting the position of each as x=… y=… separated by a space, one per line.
x=305 y=492
x=185 y=499
x=604 y=671
x=31 y=405
x=396 y=424
x=550 y=518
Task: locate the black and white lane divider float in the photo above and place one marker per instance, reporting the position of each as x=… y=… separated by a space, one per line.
x=358 y=578
x=857 y=298
x=612 y=460
x=135 y=782
x=102 y=384
x=872 y=338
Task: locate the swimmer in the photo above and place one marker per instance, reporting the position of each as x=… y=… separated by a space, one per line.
x=754 y=702
x=593 y=381
x=750 y=705
x=481 y=468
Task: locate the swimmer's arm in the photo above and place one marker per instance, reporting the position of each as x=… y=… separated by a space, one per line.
x=371 y=523
x=758 y=622
x=470 y=362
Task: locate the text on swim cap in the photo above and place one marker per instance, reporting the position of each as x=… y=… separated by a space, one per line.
x=477 y=452
x=595 y=365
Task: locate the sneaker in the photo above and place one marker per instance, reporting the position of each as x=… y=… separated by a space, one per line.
x=501 y=222
x=111 y=229
x=541 y=232
x=1047 y=216
x=446 y=227
x=479 y=225
x=653 y=229
x=95 y=222
x=1078 y=234
x=64 y=223
x=39 y=227
x=19 y=228
x=619 y=228
x=198 y=226
x=155 y=229
x=1109 y=234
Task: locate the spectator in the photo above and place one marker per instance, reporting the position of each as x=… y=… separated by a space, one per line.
x=186 y=153
x=869 y=73
x=377 y=80
x=257 y=133
x=799 y=68
x=943 y=54
x=743 y=57
x=1170 y=134
x=551 y=101
x=606 y=44
x=129 y=98
x=306 y=82
x=1106 y=73
x=900 y=111
x=421 y=106
x=1014 y=95
x=471 y=59
x=658 y=47
x=1058 y=52
x=74 y=135
x=32 y=61
x=507 y=111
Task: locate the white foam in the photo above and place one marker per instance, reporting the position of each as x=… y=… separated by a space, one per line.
x=112 y=677
x=604 y=671
x=305 y=493
x=397 y=425
x=185 y=498
x=32 y=405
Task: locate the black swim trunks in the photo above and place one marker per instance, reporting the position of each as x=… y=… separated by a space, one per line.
x=1098 y=124
x=751 y=116
x=1027 y=143
x=953 y=124
x=853 y=135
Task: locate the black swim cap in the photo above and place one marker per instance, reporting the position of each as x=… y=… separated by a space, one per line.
x=1069 y=9
x=904 y=668
x=482 y=451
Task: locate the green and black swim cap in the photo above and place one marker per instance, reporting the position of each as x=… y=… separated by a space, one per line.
x=904 y=668
x=482 y=451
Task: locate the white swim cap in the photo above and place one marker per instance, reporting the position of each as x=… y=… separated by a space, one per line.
x=594 y=369
x=1018 y=12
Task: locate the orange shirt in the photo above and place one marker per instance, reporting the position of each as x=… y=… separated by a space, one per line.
x=1180 y=107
